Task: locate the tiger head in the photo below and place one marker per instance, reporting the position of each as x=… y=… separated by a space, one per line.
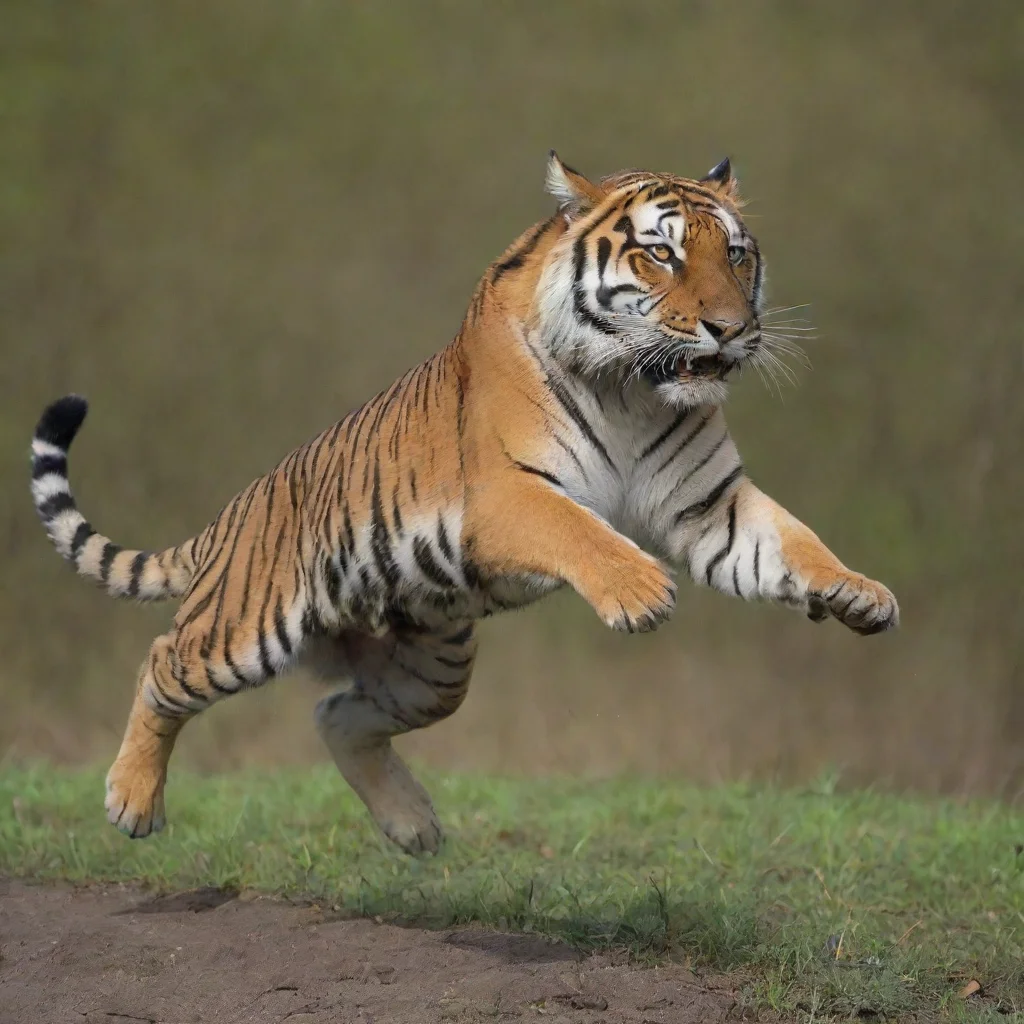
x=655 y=277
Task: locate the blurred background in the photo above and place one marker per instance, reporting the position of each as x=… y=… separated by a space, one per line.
x=228 y=224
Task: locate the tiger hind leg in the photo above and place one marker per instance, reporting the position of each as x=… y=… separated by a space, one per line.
x=135 y=782
x=183 y=675
x=401 y=682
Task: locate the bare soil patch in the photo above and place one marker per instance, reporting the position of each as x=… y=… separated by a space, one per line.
x=118 y=954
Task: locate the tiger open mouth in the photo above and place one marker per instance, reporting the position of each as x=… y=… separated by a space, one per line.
x=703 y=366
x=684 y=368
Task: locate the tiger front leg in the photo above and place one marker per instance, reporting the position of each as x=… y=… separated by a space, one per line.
x=525 y=526
x=748 y=546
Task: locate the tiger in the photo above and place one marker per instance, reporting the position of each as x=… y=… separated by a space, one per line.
x=570 y=435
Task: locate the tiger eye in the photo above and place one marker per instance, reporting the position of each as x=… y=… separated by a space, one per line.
x=662 y=253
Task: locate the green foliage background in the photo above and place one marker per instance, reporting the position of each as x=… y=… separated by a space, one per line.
x=228 y=224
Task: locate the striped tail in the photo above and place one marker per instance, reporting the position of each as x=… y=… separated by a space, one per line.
x=145 y=576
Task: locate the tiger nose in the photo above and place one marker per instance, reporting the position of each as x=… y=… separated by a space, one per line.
x=723 y=330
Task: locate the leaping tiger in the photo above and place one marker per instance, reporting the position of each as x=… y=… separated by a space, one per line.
x=571 y=433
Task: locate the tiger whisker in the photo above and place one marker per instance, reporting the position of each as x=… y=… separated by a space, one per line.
x=786 y=309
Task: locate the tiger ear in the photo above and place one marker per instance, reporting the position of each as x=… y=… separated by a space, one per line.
x=721 y=178
x=575 y=193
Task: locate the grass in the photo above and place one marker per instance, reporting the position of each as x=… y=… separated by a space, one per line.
x=833 y=904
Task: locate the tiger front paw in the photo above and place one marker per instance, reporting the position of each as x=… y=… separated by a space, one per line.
x=639 y=596
x=863 y=605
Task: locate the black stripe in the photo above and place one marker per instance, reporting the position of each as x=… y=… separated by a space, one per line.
x=269 y=588
x=229 y=660
x=332 y=581
x=226 y=690
x=380 y=536
x=441 y=684
x=326 y=478
x=691 y=436
x=110 y=552
x=579 y=256
x=401 y=622
x=724 y=551
x=292 y=478
x=517 y=258
x=350 y=537
x=335 y=432
x=632 y=199
x=135 y=573
x=43 y=464
x=605 y=295
x=386 y=400
x=757 y=564
x=550 y=477
x=218 y=590
x=714 y=198
x=392 y=711
x=281 y=627
x=358 y=419
x=548 y=416
x=699 y=508
x=239 y=511
x=247 y=587
x=265 y=662
x=715 y=448
x=426 y=385
x=198 y=608
x=461 y=637
x=82 y=534
x=471 y=574
x=424 y=558
x=443 y=542
x=367 y=462
x=570 y=406
x=396 y=513
x=395 y=440
x=310 y=621
x=165 y=696
x=196 y=695
x=665 y=434
x=419 y=381
x=572 y=454
x=55 y=505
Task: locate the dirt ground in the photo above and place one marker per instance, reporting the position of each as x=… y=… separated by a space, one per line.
x=118 y=954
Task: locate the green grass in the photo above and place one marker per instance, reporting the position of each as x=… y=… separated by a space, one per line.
x=830 y=903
